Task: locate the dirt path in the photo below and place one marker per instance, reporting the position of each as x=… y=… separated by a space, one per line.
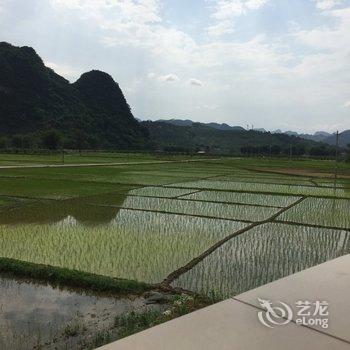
x=103 y=164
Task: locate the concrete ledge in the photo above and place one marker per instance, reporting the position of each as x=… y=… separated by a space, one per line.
x=233 y=324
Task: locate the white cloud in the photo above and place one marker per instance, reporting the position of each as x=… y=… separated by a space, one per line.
x=220 y=28
x=255 y=4
x=64 y=70
x=195 y=82
x=326 y=4
x=169 y=78
x=151 y=75
x=336 y=36
x=130 y=23
x=3 y=6
x=141 y=11
x=226 y=11
x=329 y=43
x=211 y=107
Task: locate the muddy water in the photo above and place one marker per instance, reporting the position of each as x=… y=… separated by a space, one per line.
x=39 y=316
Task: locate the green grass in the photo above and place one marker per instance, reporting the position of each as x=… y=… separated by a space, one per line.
x=5 y=201
x=84 y=158
x=71 y=278
x=54 y=189
x=283 y=163
x=183 y=304
x=137 y=321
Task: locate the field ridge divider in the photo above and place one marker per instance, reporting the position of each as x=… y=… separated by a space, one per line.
x=255 y=192
x=259 y=170
x=274 y=183
x=205 y=201
x=187 y=194
x=170 y=213
x=166 y=283
x=327 y=227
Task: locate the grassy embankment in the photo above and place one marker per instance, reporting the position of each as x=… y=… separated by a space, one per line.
x=62 y=277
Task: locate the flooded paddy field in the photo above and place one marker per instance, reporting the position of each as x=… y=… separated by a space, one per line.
x=37 y=316
x=209 y=227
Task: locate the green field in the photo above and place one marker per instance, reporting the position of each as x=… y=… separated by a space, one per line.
x=143 y=217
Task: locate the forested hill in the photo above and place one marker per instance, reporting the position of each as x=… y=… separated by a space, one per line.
x=198 y=136
x=36 y=101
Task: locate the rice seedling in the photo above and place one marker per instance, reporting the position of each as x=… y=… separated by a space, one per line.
x=214 y=210
x=159 y=192
x=244 y=198
x=265 y=188
x=141 y=246
x=342 y=183
x=262 y=255
x=320 y=211
x=258 y=178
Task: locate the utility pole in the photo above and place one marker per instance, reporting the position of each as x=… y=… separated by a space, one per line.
x=336 y=159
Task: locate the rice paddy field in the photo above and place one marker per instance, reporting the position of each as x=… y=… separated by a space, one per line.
x=206 y=225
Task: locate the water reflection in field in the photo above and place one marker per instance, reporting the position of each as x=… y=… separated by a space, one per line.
x=35 y=315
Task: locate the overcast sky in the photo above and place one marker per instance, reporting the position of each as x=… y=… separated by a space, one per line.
x=276 y=64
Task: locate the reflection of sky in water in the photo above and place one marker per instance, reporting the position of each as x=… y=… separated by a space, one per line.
x=29 y=311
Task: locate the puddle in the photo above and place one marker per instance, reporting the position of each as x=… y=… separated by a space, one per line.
x=39 y=316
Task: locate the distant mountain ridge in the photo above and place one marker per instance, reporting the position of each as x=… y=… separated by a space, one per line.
x=188 y=122
x=318 y=136
x=202 y=137
x=344 y=139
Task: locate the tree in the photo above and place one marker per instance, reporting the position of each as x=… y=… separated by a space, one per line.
x=276 y=150
x=17 y=141
x=3 y=142
x=320 y=151
x=51 y=139
x=80 y=140
x=93 y=142
x=28 y=141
